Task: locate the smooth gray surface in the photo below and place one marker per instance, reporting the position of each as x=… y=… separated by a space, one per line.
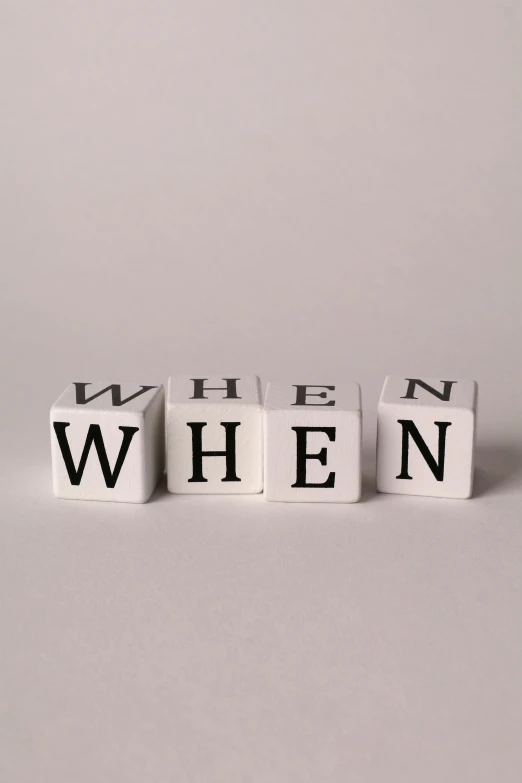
x=331 y=189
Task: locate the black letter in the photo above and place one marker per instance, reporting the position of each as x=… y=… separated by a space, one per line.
x=443 y=395
x=302 y=456
x=436 y=467
x=229 y=453
x=93 y=436
x=302 y=394
x=115 y=390
x=199 y=389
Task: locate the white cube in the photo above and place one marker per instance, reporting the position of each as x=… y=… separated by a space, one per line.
x=108 y=441
x=313 y=442
x=426 y=436
x=214 y=434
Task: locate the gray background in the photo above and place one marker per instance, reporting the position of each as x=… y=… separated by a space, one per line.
x=327 y=189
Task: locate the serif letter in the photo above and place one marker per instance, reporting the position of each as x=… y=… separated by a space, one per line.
x=302 y=394
x=200 y=389
x=436 y=466
x=94 y=436
x=115 y=390
x=198 y=453
x=302 y=456
x=443 y=395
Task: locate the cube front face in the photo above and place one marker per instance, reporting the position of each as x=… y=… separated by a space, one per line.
x=107 y=441
x=214 y=435
x=426 y=437
x=313 y=443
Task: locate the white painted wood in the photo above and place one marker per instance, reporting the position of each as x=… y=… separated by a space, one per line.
x=232 y=406
x=80 y=413
x=338 y=409
x=443 y=419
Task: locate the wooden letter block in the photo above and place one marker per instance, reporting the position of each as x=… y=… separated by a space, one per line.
x=214 y=435
x=426 y=437
x=313 y=442
x=108 y=441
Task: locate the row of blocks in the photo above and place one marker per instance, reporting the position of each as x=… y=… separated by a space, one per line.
x=303 y=444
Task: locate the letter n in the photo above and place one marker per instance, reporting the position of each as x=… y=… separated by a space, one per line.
x=435 y=465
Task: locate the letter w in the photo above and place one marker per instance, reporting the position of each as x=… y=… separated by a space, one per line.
x=115 y=390
x=95 y=437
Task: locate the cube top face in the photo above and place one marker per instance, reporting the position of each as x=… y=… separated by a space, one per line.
x=108 y=397
x=229 y=389
x=414 y=391
x=315 y=398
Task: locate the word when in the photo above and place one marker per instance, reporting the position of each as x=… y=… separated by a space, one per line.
x=112 y=441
